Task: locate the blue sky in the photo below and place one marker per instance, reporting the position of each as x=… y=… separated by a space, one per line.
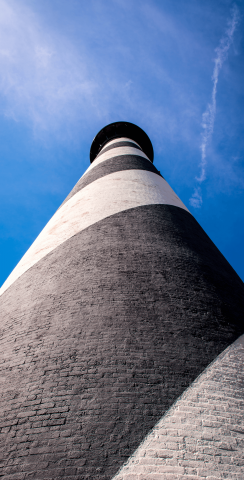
x=67 y=69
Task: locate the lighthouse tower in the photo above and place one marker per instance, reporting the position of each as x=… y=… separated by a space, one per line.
x=121 y=335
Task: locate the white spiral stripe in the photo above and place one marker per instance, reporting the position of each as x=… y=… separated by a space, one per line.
x=206 y=423
x=116 y=152
x=119 y=139
x=106 y=196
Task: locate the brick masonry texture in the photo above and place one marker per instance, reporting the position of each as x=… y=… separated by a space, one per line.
x=116 y=152
x=119 y=144
x=202 y=435
x=119 y=139
x=106 y=196
x=102 y=335
x=116 y=164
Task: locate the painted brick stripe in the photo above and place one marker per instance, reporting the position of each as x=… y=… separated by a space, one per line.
x=116 y=152
x=104 y=155
x=202 y=434
x=119 y=144
x=120 y=139
x=117 y=164
x=104 y=197
x=103 y=334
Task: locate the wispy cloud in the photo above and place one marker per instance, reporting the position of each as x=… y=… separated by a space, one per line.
x=64 y=83
x=42 y=76
x=208 y=117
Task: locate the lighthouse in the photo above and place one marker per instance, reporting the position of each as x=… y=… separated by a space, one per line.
x=122 y=329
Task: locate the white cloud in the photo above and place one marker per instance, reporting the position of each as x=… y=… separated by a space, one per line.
x=208 y=117
x=42 y=76
x=196 y=199
x=48 y=80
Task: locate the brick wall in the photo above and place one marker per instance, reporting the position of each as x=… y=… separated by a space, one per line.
x=202 y=436
x=103 y=334
x=112 y=165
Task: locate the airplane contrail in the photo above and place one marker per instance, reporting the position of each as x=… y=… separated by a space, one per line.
x=209 y=114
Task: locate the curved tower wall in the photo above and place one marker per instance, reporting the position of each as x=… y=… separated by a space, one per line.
x=111 y=187
x=111 y=315
x=201 y=436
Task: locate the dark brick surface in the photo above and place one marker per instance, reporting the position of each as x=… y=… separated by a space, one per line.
x=115 y=164
x=102 y=335
x=118 y=144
